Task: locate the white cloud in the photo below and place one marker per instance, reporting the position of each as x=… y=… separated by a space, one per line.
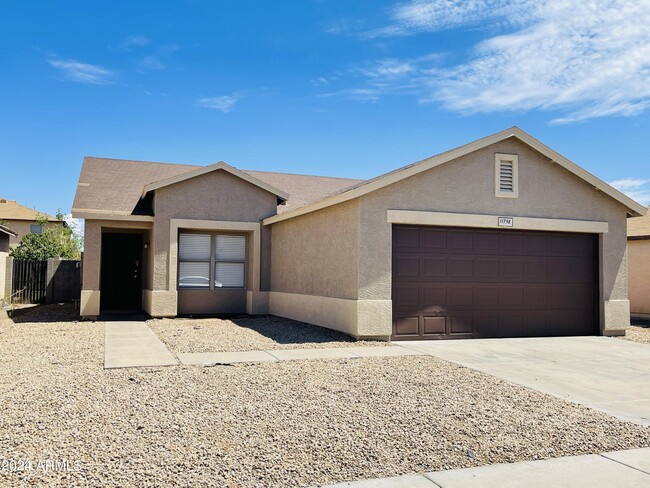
x=225 y=103
x=636 y=188
x=431 y=15
x=579 y=59
x=157 y=61
x=134 y=41
x=91 y=74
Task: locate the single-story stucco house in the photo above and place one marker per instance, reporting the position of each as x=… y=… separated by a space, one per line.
x=501 y=237
x=23 y=220
x=638 y=249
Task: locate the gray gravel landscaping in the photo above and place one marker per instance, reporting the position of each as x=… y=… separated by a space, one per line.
x=248 y=333
x=294 y=423
x=638 y=334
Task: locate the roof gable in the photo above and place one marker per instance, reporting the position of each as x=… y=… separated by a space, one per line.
x=220 y=166
x=368 y=186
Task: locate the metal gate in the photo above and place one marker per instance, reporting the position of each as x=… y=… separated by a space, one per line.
x=29 y=281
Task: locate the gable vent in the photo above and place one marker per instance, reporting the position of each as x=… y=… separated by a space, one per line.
x=506 y=175
x=506 y=183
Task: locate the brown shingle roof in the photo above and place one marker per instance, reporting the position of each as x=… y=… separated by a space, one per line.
x=10 y=210
x=639 y=226
x=115 y=185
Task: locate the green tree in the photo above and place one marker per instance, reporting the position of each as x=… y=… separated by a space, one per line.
x=54 y=241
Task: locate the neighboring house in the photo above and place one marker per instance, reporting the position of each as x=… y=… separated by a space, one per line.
x=5 y=235
x=638 y=258
x=500 y=237
x=23 y=220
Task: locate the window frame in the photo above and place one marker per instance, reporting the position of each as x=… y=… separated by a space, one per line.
x=32 y=231
x=213 y=260
x=514 y=160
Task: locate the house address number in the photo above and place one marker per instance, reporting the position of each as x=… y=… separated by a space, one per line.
x=506 y=222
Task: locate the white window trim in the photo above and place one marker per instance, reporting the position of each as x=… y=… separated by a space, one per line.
x=511 y=158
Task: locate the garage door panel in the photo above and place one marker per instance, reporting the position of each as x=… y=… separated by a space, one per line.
x=486 y=296
x=511 y=324
x=460 y=268
x=460 y=295
x=486 y=324
x=535 y=243
x=406 y=238
x=511 y=242
x=406 y=326
x=483 y=283
x=407 y=267
x=485 y=241
x=408 y=296
x=434 y=295
x=511 y=296
x=434 y=268
x=461 y=323
x=512 y=268
x=461 y=240
x=487 y=268
x=434 y=239
x=434 y=325
x=535 y=296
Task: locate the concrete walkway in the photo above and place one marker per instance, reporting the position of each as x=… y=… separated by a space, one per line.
x=620 y=468
x=134 y=344
x=607 y=374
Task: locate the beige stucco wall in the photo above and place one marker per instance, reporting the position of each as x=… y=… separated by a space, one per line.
x=639 y=275
x=466 y=185
x=22 y=227
x=3 y=273
x=91 y=267
x=318 y=253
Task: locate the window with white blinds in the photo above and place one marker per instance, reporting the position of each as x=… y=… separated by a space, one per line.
x=211 y=261
x=230 y=253
x=506 y=175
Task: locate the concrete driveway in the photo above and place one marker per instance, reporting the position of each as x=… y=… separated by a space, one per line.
x=603 y=373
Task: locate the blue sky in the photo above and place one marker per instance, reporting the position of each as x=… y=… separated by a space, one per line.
x=331 y=87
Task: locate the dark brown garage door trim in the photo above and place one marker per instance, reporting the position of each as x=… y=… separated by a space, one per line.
x=457 y=283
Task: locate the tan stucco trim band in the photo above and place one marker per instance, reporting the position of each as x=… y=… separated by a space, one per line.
x=82 y=213
x=417 y=217
x=208 y=169
x=359 y=318
x=214 y=225
x=633 y=207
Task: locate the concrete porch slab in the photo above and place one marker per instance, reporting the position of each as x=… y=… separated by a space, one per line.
x=134 y=344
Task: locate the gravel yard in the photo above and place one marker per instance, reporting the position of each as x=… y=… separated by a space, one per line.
x=637 y=333
x=294 y=423
x=247 y=334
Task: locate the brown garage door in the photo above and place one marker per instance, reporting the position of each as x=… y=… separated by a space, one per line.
x=462 y=283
